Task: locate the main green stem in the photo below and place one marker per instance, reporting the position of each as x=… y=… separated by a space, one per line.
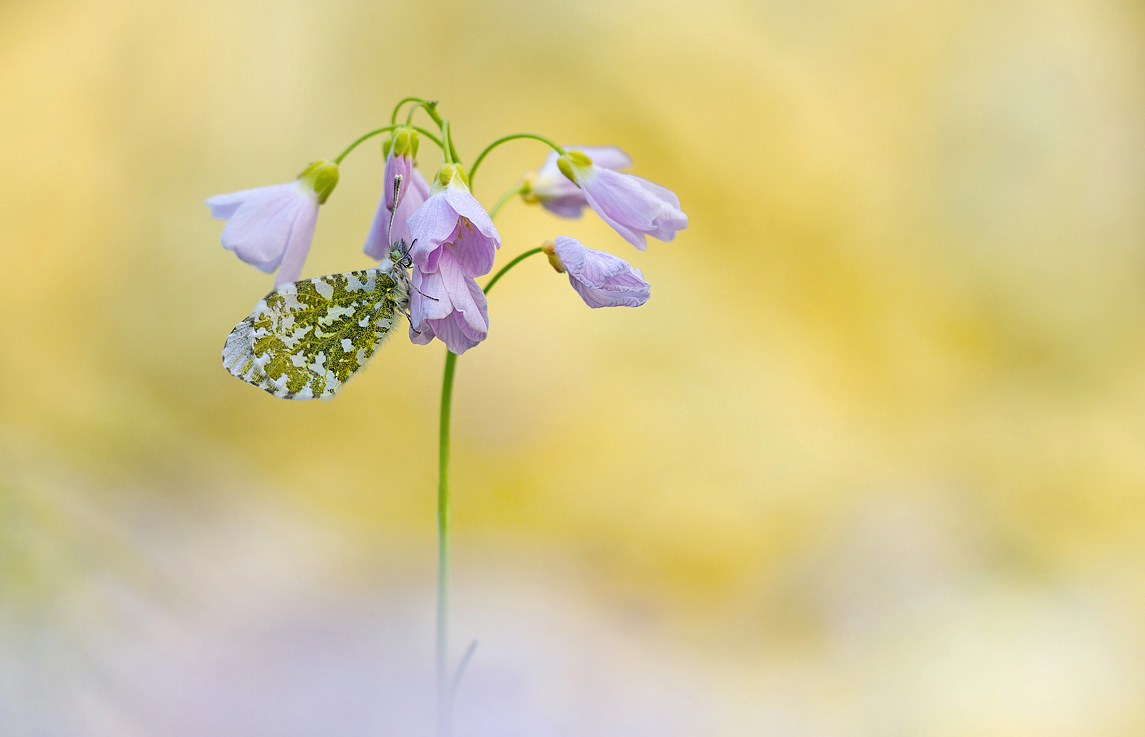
x=444 y=689
x=444 y=702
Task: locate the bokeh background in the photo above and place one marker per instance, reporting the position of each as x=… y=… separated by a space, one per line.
x=871 y=462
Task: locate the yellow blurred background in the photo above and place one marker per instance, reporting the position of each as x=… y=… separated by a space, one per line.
x=870 y=462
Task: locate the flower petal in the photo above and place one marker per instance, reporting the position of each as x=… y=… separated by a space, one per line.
x=567 y=205
x=431 y=225
x=297 y=246
x=601 y=279
x=588 y=265
x=259 y=228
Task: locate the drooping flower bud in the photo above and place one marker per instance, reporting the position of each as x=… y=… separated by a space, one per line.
x=601 y=279
x=321 y=177
x=405 y=142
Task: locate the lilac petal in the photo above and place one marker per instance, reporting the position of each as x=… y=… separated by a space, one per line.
x=606 y=157
x=430 y=299
x=624 y=290
x=459 y=285
x=562 y=197
x=457 y=331
x=622 y=203
x=601 y=279
x=417 y=194
x=475 y=246
x=224 y=205
x=298 y=246
x=453 y=333
x=588 y=265
x=259 y=228
x=671 y=218
x=377 y=245
x=570 y=205
x=473 y=249
x=421 y=335
x=396 y=165
x=433 y=224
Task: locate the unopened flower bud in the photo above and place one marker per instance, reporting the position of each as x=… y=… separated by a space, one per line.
x=401 y=141
x=321 y=177
x=549 y=248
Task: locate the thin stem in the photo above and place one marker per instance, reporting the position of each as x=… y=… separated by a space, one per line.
x=412 y=110
x=508 y=266
x=516 y=189
x=555 y=146
x=366 y=137
x=444 y=700
x=398 y=107
x=388 y=128
x=448 y=147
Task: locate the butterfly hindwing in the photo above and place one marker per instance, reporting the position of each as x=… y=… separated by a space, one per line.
x=307 y=338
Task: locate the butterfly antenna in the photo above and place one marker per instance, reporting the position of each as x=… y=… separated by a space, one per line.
x=397 y=188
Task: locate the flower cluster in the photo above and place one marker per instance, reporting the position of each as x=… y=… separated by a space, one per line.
x=450 y=237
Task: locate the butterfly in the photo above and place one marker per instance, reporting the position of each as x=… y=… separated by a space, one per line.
x=305 y=339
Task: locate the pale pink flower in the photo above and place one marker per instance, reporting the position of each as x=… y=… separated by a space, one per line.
x=452 y=219
x=449 y=305
x=453 y=241
x=272 y=227
x=633 y=206
x=601 y=279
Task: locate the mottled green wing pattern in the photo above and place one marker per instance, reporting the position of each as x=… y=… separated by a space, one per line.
x=306 y=339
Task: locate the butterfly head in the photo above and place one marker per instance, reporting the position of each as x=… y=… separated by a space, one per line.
x=400 y=254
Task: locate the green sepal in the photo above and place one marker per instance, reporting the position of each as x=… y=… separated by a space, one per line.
x=447 y=173
x=573 y=158
x=322 y=177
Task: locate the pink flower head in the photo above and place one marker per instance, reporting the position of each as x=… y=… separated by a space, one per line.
x=601 y=279
x=448 y=304
x=453 y=241
x=378 y=241
x=634 y=207
x=272 y=227
x=556 y=192
x=451 y=219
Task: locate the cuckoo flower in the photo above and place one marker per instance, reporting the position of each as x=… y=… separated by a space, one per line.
x=448 y=304
x=378 y=241
x=634 y=207
x=453 y=241
x=452 y=219
x=271 y=227
x=556 y=192
x=601 y=279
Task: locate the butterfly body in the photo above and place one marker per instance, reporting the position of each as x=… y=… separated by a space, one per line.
x=307 y=338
